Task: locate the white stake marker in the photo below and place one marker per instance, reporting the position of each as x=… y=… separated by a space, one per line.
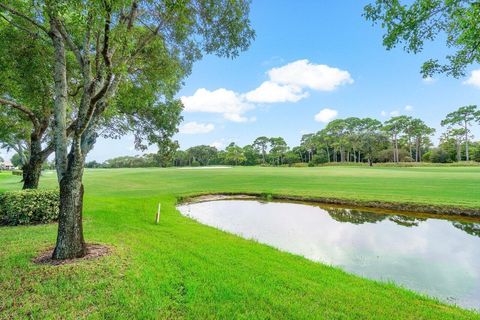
x=157 y=220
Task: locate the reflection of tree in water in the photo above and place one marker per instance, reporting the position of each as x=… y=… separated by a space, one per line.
x=355 y=216
x=468 y=227
x=361 y=217
x=406 y=221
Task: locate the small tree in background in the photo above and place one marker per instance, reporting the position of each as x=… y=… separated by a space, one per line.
x=26 y=97
x=234 y=154
x=372 y=142
x=261 y=145
x=395 y=127
x=463 y=117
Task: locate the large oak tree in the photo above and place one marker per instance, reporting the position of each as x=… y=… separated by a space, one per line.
x=117 y=47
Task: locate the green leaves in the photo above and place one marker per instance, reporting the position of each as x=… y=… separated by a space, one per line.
x=425 y=20
x=463 y=116
x=29 y=207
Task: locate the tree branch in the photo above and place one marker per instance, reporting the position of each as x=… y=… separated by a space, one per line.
x=77 y=90
x=30 y=32
x=133 y=14
x=108 y=63
x=45 y=153
x=106 y=58
x=22 y=15
x=71 y=44
x=23 y=109
x=145 y=41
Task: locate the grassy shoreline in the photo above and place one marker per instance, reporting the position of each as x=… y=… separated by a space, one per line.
x=182 y=269
x=387 y=207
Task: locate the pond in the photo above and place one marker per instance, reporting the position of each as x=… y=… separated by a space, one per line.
x=434 y=256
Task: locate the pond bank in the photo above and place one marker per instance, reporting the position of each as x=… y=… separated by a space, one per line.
x=430 y=255
x=385 y=206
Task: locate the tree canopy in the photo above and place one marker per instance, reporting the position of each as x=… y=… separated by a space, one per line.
x=115 y=67
x=412 y=23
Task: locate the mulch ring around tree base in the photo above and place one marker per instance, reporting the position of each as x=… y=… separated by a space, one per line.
x=94 y=251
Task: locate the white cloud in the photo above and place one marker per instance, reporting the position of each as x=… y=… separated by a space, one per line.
x=219 y=144
x=395 y=113
x=286 y=84
x=474 y=79
x=303 y=74
x=235 y=117
x=383 y=113
x=326 y=115
x=428 y=80
x=231 y=104
x=408 y=108
x=196 y=128
x=289 y=82
x=271 y=92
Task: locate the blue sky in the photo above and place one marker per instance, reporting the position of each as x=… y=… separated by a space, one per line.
x=331 y=35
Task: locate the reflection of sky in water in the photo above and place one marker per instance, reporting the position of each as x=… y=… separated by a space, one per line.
x=432 y=256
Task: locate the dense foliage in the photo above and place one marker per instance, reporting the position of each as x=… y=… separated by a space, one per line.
x=29 y=207
x=350 y=140
x=412 y=23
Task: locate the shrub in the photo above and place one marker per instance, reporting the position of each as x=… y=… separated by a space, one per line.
x=320 y=158
x=29 y=207
x=439 y=155
x=427 y=156
x=17 y=172
x=195 y=163
x=387 y=155
x=476 y=155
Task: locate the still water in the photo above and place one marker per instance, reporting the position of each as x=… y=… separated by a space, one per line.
x=434 y=256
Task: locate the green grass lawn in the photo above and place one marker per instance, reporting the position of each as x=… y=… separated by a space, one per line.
x=182 y=269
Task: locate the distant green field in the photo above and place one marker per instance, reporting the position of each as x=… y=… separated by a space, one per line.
x=182 y=269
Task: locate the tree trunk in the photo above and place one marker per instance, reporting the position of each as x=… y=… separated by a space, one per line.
x=70 y=241
x=33 y=168
x=417 y=150
x=466 y=142
x=31 y=173
x=459 y=151
x=410 y=147
x=396 y=150
x=69 y=165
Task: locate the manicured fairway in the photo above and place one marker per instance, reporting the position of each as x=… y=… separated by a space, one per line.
x=181 y=269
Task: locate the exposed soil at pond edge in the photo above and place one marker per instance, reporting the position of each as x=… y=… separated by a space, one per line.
x=94 y=251
x=359 y=204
